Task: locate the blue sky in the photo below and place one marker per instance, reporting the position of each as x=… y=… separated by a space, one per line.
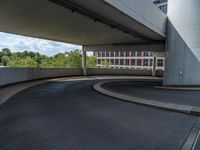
x=18 y=43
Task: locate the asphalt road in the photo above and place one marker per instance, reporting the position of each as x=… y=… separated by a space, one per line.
x=70 y=115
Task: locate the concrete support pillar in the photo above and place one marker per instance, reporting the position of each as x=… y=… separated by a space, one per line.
x=183 y=43
x=154 y=67
x=84 y=61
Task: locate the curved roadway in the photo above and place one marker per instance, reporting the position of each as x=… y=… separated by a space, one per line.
x=150 y=90
x=70 y=115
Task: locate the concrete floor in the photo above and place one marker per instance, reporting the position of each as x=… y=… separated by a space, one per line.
x=71 y=115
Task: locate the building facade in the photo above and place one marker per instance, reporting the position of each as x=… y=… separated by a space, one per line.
x=161 y=4
x=130 y=60
x=133 y=59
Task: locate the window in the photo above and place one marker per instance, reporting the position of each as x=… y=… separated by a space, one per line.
x=112 y=54
x=122 y=53
x=99 y=61
x=127 y=62
x=160 y=62
x=133 y=54
x=127 y=54
x=139 y=54
x=117 y=54
x=145 y=63
x=146 y=54
x=133 y=62
x=107 y=54
x=121 y=62
x=103 y=54
x=163 y=8
x=112 y=61
x=117 y=62
x=151 y=53
x=151 y=62
x=139 y=62
x=98 y=54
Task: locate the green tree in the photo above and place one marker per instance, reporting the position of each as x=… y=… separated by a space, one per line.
x=4 y=60
x=106 y=64
x=33 y=59
x=74 y=58
x=6 y=52
x=91 y=61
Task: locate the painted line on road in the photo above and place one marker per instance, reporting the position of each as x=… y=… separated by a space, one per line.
x=178 y=88
x=151 y=103
x=192 y=138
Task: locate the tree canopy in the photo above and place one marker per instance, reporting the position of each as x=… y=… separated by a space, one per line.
x=31 y=59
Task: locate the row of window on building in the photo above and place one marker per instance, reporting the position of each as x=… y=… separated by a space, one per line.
x=130 y=59
x=161 y=4
x=163 y=8
x=124 y=54
x=131 y=62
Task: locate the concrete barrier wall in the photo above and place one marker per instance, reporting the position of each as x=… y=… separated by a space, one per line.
x=15 y=75
x=108 y=71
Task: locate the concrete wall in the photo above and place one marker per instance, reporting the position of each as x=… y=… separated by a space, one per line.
x=16 y=75
x=183 y=43
x=109 y=71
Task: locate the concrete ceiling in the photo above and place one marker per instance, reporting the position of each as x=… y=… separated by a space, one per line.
x=83 y=22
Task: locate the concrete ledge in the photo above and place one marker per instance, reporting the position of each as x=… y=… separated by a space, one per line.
x=18 y=75
x=160 y=105
x=125 y=77
x=178 y=88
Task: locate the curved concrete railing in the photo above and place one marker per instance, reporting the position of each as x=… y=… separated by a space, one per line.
x=16 y=75
x=109 y=71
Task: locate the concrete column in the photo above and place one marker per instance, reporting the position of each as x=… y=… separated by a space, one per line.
x=84 y=61
x=183 y=43
x=154 y=67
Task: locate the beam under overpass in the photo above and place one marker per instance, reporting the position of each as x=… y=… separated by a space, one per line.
x=136 y=47
x=88 y=22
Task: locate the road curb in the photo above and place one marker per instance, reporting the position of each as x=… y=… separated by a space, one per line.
x=178 y=88
x=186 y=109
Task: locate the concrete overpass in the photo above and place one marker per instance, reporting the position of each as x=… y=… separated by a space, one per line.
x=111 y=24
x=88 y=22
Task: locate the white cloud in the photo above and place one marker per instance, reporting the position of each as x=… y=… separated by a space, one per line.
x=20 y=43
